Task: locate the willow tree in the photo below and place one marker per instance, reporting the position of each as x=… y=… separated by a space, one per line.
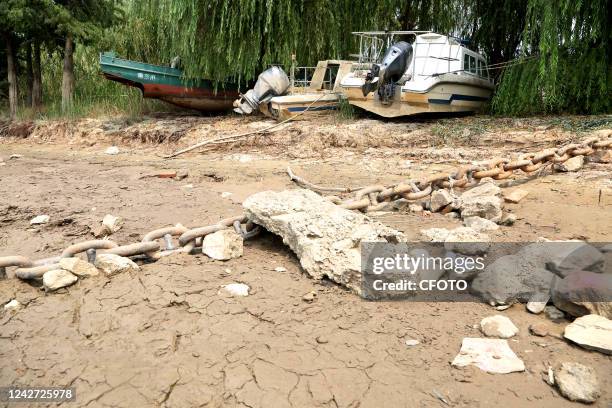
x=218 y=39
x=570 y=43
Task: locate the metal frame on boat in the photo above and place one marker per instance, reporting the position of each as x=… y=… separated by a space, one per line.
x=442 y=76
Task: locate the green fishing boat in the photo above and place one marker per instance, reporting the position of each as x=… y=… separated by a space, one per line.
x=168 y=84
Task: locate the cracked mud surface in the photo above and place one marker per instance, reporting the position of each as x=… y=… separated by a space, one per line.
x=165 y=337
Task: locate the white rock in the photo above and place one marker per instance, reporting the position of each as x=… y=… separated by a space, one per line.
x=498 y=326
x=412 y=342
x=325 y=237
x=515 y=196
x=112 y=150
x=226 y=194
x=223 y=245
x=440 y=199
x=112 y=223
x=592 y=332
x=480 y=224
x=573 y=164
x=415 y=207
x=235 y=290
x=577 y=382
x=58 y=278
x=280 y=269
x=536 y=307
x=12 y=305
x=40 y=219
x=484 y=201
x=78 y=267
x=435 y=234
x=112 y=264
x=490 y=355
x=467 y=241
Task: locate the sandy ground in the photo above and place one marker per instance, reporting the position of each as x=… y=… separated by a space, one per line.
x=165 y=337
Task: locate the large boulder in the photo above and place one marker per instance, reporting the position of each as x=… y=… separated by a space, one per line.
x=582 y=292
x=512 y=278
x=483 y=201
x=325 y=237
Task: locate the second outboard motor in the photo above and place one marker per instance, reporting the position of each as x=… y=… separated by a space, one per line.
x=383 y=76
x=272 y=82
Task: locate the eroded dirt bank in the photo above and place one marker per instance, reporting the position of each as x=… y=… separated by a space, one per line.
x=165 y=337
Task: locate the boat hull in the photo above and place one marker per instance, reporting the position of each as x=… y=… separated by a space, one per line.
x=285 y=107
x=447 y=94
x=167 y=84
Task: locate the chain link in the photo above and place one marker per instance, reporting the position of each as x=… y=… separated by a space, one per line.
x=467 y=176
x=369 y=198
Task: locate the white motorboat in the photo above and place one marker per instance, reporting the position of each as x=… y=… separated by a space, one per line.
x=432 y=73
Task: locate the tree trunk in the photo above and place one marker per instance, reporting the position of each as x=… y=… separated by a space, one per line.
x=68 y=75
x=12 y=76
x=29 y=75
x=37 y=78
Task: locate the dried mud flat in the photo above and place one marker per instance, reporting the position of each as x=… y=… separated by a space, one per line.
x=165 y=337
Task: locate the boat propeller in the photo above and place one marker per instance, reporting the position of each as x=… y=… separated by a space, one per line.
x=393 y=66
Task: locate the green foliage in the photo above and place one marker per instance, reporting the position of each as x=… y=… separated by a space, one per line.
x=573 y=73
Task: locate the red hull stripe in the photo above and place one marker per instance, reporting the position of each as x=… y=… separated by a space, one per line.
x=159 y=90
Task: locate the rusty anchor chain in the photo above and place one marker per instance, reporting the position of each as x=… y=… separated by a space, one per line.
x=161 y=242
x=377 y=197
x=154 y=245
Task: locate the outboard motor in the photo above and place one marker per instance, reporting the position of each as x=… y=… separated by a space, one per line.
x=383 y=76
x=270 y=83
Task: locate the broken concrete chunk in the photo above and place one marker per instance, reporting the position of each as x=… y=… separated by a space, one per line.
x=223 y=245
x=479 y=224
x=78 y=267
x=325 y=237
x=435 y=234
x=498 y=326
x=112 y=223
x=573 y=164
x=592 y=332
x=490 y=355
x=58 y=278
x=515 y=196
x=484 y=201
x=512 y=278
x=582 y=292
x=112 y=264
x=40 y=219
x=440 y=199
x=577 y=382
x=467 y=241
x=235 y=290
x=569 y=256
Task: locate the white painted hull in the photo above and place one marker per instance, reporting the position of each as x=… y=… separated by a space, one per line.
x=446 y=93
